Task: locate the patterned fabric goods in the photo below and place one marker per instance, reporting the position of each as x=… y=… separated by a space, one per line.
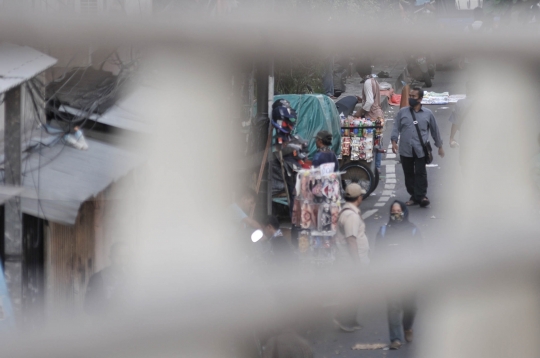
x=316 y=210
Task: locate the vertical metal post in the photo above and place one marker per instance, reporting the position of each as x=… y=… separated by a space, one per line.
x=262 y=90
x=262 y=128
x=270 y=99
x=13 y=245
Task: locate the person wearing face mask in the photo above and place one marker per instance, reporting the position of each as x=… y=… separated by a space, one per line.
x=324 y=155
x=399 y=240
x=412 y=155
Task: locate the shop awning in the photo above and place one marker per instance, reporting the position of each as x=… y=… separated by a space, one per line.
x=67 y=177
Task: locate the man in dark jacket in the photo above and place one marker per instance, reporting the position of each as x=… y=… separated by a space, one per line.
x=399 y=240
x=106 y=287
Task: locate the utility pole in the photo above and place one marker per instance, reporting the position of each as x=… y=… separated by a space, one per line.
x=19 y=64
x=13 y=245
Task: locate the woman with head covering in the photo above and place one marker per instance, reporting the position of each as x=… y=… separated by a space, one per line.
x=399 y=240
x=324 y=154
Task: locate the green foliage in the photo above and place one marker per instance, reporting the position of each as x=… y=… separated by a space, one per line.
x=294 y=75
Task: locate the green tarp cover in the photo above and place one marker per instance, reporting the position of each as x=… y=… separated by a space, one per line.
x=316 y=112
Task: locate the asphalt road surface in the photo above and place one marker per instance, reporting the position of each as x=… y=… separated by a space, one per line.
x=325 y=339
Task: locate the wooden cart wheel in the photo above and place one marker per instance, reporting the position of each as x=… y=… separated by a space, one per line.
x=359 y=173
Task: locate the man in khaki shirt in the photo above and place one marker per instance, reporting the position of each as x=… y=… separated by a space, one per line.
x=353 y=247
x=351 y=237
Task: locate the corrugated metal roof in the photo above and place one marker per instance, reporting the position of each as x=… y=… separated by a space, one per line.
x=20 y=63
x=67 y=177
x=125 y=113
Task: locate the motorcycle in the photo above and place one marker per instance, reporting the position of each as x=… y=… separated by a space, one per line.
x=421 y=68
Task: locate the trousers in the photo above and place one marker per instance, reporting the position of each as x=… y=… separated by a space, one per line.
x=401 y=313
x=415 y=173
x=328 y=77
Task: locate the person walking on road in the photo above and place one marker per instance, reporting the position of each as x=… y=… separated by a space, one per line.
x=353 y=248
x=371 y=106
x=328 y=77
x=459 y=118
x=371 y=95
x=407 y=123
x=399 y=240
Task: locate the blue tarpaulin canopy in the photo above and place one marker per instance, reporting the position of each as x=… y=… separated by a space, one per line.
x=316 y=112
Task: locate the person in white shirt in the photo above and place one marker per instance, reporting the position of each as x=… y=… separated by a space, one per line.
x=371 y=96
x=371 y=105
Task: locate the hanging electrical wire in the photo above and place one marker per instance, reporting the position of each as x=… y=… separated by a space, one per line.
x=100 y=95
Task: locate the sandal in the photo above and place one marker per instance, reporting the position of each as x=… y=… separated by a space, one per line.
x=425 y=202
x=411 y=203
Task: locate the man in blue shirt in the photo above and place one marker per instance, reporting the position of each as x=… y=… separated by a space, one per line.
x=323 y=141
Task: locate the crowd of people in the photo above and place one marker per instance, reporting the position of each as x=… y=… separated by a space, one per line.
x=278 y=248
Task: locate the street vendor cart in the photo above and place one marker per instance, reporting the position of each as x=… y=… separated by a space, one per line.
x=354 y=140
x=361 y=139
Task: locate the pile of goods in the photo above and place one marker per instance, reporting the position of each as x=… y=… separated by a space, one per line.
x=316 y=210
x=456 y=97
x=435 y=98
x=358 y=137
x=441 y=98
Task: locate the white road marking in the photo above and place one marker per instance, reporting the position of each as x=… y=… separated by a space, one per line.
x=368 y=213
x=390 y=164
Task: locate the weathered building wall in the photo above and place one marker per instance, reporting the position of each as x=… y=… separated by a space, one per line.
x=70 y=261
x=118 y=216
x=74 y=253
